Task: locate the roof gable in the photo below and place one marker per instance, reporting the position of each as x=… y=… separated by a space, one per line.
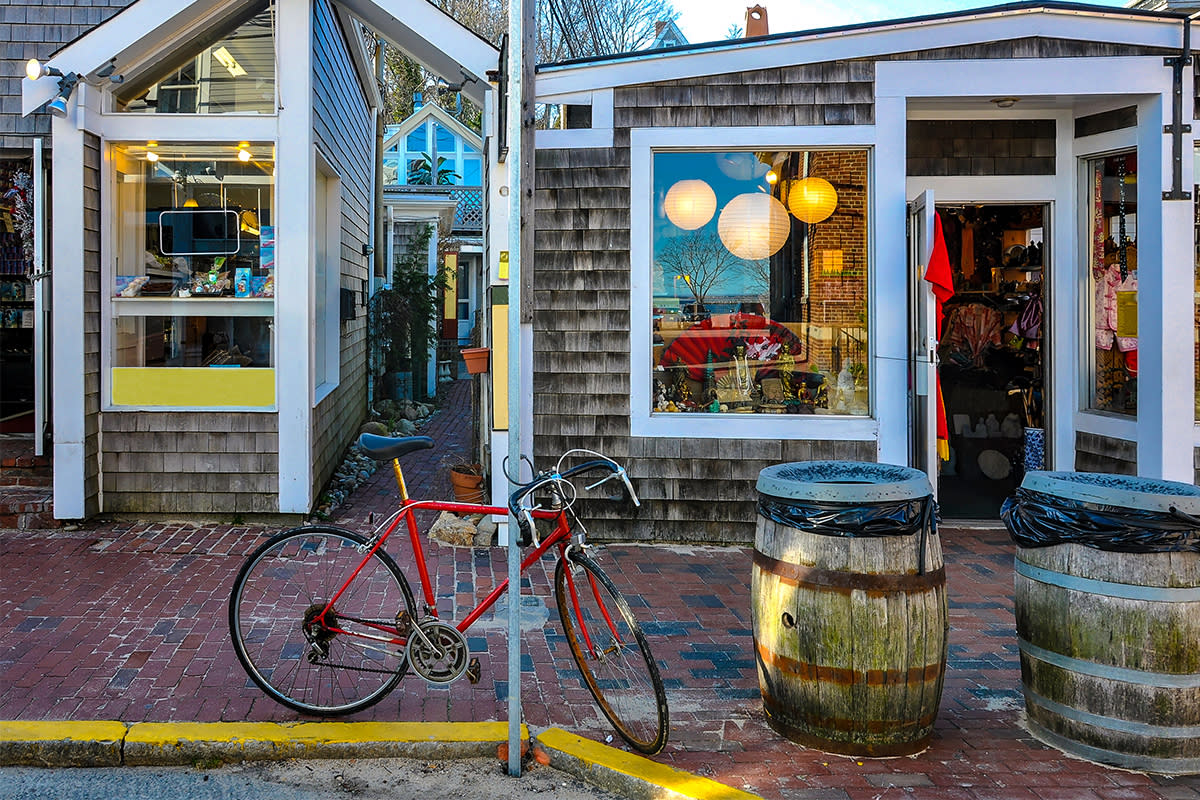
x=418 y=118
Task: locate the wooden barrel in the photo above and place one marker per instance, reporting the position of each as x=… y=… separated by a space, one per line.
x=849 y=630
x=1110 y=641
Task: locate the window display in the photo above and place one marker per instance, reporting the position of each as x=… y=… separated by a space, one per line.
x=759 y=279
x=1112 y=260
x=193 y=277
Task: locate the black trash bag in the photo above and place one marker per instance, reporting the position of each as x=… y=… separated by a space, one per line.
x=900 y=518
x=1036 y=519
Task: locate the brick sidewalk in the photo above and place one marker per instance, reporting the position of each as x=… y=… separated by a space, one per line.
x=128 y=622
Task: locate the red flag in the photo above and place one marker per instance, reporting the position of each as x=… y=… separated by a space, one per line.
x=942 y=283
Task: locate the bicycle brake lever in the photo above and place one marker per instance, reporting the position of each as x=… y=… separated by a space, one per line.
x=602 y=480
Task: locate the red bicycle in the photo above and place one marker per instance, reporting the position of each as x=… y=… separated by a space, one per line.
x=324 y=621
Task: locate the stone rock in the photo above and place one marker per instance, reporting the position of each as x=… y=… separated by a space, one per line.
x=452 y=530
x=405 y=427
x=377 y=428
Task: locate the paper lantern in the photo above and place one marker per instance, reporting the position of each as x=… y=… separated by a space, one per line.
x=690 y=204
x=754 y=226
x=812 y=199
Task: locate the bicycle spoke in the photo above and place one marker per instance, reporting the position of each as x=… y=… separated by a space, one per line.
x=275 y=620
x=612 y=653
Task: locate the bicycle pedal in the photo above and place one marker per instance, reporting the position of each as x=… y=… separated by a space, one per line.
x=473 y=671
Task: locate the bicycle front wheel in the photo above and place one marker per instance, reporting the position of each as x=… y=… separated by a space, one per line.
x=612 y=653
x=338 y=663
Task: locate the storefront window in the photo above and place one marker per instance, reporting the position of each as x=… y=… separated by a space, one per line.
x=193 y=276
x=760 y=283
x=234 y=74
x=1112 y=260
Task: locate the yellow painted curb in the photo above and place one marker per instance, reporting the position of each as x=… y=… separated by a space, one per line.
x=226 y=742
x=61 y=743
x=630 y=775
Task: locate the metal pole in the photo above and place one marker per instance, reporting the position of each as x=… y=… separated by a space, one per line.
x=516 y=97
x=41 y=315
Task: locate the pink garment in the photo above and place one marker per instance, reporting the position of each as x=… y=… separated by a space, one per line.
x=1108 y=283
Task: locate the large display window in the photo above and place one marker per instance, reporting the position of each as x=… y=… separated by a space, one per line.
x=759 y=276
x=234 y=74
x=192 y=282
x=1113 y=269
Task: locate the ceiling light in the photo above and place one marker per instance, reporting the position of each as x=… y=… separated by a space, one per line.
x=1005 y=102
x=151 y=156
x=243 y=155
x=230 y=63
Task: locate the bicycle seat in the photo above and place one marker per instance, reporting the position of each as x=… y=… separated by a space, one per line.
x=385 y=448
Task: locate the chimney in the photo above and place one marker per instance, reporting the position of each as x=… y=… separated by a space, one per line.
x=756 y=22
x=418 y=101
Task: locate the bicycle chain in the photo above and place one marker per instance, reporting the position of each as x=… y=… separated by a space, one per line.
x=359 y=620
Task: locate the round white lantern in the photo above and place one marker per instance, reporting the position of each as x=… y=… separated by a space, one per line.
x=690 y=204
x=812 y=199
x=754 y=226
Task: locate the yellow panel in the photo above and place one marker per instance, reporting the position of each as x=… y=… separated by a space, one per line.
x=499 y=371
x=193 y=386
x=451 y=290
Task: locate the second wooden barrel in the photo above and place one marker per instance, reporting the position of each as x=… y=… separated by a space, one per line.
x=850 y=628
x=1110 y=641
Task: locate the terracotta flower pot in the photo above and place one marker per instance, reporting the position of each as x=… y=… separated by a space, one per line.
x=467 y=486
x=476 y=359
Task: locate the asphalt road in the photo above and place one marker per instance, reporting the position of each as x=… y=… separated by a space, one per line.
x=364 y=779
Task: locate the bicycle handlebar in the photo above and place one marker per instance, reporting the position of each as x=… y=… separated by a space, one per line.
x=545 y=478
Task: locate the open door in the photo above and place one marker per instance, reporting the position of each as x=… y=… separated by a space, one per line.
x=922 y=327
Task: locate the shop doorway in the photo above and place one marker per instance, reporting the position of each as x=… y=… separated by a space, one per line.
x=992 y=353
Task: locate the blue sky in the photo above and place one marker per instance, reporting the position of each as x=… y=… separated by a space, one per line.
x=709 y=20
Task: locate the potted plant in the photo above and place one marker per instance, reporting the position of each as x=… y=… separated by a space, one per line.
x=476 y=359
x=467 y=482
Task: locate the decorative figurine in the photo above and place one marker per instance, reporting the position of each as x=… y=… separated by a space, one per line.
x=787 y=364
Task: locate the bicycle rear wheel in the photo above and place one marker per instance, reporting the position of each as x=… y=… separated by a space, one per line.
x=321 y=669
x=612 y=653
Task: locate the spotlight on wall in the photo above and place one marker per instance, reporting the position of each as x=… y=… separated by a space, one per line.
x=66 y=85
x=35 y=69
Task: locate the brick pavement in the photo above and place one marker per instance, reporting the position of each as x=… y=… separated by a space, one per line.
x=128 y=621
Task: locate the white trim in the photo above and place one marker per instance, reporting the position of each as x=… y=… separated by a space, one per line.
x=119 y=126
x=67 y=305
x=432 y=38
x=293 y=256
x=888 y=282
x=326 y=344
x=985 y=188
x=644 y=142
x=1101 y=424
x=864 y=42
x=361 y=56
x=421 y=115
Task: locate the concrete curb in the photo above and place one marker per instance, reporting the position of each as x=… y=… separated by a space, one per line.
x=114 y=744
x=627 y=774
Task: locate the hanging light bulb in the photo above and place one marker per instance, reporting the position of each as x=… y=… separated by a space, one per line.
x=690 y=204
x=812 y=199
x=754 y=226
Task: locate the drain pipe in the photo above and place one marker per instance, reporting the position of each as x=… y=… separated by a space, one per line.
x=1177 y=128
x=376 y=265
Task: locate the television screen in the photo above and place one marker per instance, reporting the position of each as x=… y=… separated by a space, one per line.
x=199 y=232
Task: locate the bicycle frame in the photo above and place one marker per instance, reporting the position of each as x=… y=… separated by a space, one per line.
x=406 y=514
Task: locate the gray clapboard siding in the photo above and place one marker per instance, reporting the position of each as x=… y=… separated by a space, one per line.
x=344 y=132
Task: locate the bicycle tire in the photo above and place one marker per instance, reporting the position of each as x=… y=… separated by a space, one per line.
x=611 y=652
x=288 y=576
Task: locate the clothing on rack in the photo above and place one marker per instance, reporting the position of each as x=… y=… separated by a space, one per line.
x=970 y=330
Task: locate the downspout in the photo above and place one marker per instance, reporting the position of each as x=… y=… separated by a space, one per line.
x=378 y=263
x=1177 y=128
